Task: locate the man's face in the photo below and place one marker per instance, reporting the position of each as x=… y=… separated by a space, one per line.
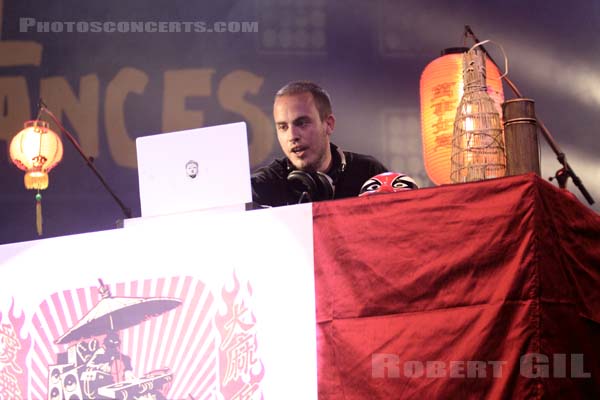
x=112 y=342
x=192 y=170
x=303 y=137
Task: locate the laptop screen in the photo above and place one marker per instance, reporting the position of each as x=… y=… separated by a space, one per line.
x=195 y=169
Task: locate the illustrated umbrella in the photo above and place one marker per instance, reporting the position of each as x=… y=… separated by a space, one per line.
x=117 y=313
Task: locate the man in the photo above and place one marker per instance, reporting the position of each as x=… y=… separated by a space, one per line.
x=191 y=168
x=304 y=122
x=109 y=359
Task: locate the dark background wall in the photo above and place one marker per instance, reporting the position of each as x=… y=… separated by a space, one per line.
x=110 y=88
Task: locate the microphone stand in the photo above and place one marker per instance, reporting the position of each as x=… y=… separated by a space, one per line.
x=88 y=160
x=566 y=172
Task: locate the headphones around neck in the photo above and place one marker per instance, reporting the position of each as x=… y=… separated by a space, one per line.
x=315 y=186
x=311 y=186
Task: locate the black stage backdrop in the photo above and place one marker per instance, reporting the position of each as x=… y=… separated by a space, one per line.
x=112 y=86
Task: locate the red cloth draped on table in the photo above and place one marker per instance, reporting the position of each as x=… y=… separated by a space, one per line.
x=446 y=293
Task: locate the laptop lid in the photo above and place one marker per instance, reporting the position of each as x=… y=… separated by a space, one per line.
x=195 y=169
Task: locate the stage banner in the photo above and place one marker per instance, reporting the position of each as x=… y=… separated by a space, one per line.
x=197 y=306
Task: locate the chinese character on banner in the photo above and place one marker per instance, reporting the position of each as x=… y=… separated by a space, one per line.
x=247 y=392
x=241 y=368
x=239 y=345
x=12 y=356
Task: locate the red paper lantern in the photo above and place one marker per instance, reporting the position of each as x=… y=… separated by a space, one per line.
x=441 y=89
x=36 y=150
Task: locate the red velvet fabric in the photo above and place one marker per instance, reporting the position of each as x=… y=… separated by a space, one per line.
x=466 y=281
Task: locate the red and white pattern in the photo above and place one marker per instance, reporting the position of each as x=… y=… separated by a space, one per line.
x=184 y=340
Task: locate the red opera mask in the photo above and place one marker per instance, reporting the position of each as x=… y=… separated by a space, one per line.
x=388 y=182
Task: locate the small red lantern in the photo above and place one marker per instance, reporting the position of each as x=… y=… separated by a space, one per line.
x=36 y=150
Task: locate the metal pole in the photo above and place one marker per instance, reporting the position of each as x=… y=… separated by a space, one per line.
x=560 y=155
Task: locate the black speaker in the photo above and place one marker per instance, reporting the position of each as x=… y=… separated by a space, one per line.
x=63 y=382
x=55 y=389
x=316 y=186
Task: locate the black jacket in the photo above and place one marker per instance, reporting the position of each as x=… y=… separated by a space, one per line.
x=270 y=186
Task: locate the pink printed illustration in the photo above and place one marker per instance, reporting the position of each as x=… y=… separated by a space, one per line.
x=145 y=340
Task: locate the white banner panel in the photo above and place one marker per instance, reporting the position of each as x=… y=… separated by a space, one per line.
x=194 y=306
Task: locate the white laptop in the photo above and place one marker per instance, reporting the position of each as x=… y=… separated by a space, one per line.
x=196 y=169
